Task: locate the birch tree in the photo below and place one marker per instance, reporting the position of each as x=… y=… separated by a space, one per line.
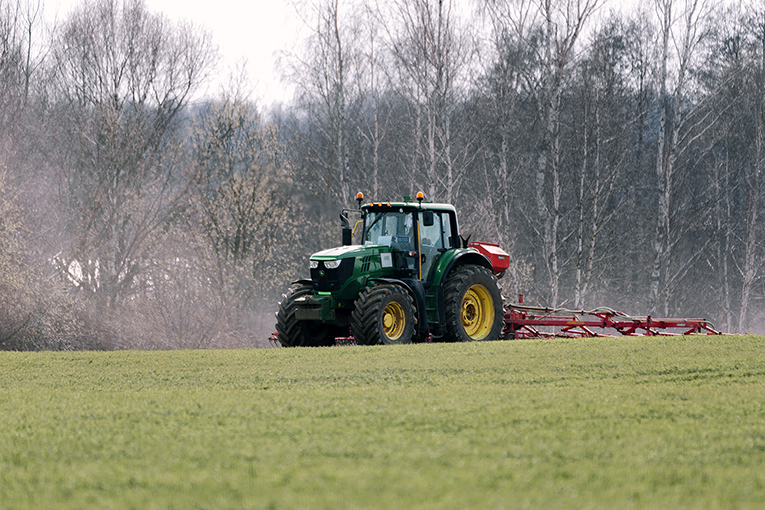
x=431 y=56
x=376 y=114
x=605 y=129
x=680 y=33
x=551 y=29
x=325 y=73
x=751 y=270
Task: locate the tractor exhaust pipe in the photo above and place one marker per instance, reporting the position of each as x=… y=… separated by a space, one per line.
x=346 y=229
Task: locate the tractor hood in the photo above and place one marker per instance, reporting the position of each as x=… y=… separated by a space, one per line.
x=340 y=252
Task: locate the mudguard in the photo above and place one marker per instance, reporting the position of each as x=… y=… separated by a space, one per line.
x=460 y=257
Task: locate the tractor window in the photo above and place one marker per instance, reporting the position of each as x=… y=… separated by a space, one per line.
x=431 y=235
x=440 y=235
x=394 y=229
x=450 y=240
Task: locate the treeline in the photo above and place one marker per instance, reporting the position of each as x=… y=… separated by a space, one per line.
x=133 y=218
x=617 y=156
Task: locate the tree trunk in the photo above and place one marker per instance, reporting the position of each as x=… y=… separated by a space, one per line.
x=663 y=176
x=751 y=262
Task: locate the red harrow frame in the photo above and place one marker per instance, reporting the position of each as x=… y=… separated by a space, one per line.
x=523 y=321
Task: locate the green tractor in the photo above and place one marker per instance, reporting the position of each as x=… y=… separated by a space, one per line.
x=412 y=278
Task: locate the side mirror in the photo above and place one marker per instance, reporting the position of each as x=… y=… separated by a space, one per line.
x=427 y=218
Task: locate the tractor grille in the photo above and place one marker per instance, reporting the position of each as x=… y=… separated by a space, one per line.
x=330 y=280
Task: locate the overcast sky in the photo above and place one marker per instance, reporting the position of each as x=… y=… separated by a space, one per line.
x=251 y=30
x=254 y=30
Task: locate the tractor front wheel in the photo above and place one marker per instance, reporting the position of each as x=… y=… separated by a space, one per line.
x=294 y=333
x=473 y=305
x=384 y=314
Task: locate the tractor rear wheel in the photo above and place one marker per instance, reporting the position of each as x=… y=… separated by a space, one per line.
x=294 y=333
x=384 y=314
x=473 y=305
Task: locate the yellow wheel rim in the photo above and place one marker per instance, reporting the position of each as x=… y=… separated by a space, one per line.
x=393 y=320
x=477 y=312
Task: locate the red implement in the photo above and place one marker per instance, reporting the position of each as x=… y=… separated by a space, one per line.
x=499 y=258
x=522 y=321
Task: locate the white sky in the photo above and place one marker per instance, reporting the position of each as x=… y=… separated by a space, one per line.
x=251 y=30
x=255 y=30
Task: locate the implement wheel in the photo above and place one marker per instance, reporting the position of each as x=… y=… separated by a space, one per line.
x=473 y=305
x=384 y=314
x=294 y=333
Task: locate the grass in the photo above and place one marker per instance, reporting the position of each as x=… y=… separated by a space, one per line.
x=592 y=423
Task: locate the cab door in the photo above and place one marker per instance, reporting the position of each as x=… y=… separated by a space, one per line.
x=435 y=239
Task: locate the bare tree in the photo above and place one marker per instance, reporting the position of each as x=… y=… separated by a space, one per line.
x=124 y=76
x=551 y=30
x=224 y=261
x=503 y=93
x=35 y=311
x=431 y=53
x=500 y=123
x=376 y=119
x=22 y=52
x=326 y=77
x=605 y=144
x=753 y=258
x=680 y=37
x=242 y=202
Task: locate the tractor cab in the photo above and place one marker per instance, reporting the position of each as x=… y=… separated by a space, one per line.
x=416 y=234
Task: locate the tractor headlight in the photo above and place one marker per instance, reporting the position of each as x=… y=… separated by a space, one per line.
x=332 y=264
x=313 y=263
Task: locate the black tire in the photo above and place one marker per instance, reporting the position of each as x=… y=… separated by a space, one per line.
x=384 y=314
x=473 y=305
x=294 y=333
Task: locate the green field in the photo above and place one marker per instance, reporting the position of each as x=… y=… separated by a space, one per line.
x=590 y=423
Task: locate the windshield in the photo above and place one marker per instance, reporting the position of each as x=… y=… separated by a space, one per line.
x=394 y=229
